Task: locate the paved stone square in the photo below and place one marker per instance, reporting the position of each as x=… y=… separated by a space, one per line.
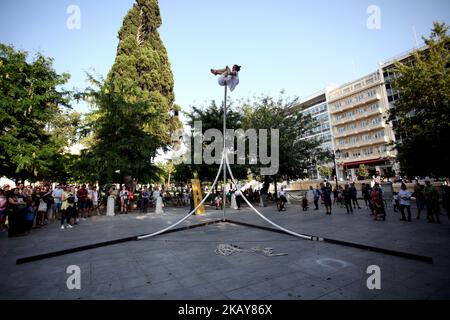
x=184 y=265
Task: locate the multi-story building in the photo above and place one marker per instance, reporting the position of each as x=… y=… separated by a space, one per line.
x=351 y=121
x=358 y=114
x=388 y=71
x=316 y=106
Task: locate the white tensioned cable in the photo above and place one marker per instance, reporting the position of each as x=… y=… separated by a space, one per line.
x=260 y=214
x=190 y=213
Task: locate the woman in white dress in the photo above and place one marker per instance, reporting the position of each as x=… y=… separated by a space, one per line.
x=233 y=201
x=111 y=202
x=159 y=201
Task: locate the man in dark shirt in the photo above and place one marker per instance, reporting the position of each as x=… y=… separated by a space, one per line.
x=82 y=196
x=326 y=193
x=354 y=195
x=347 y=193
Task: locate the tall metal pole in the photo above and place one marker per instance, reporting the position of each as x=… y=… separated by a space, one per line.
x=336 y=170
x=225 y=152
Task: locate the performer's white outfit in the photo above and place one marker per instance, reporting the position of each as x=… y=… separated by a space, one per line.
x=110 y=206
x=233 y=201
x=310 y=196
x=232 y=81
x=159 y=202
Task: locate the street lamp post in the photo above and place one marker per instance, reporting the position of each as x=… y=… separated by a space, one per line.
x=335 y=167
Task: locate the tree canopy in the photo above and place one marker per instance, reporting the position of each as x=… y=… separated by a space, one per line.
x=296 y=154
x=134 y=112
x=422 y=113
x=211 y=117
x=37 y=124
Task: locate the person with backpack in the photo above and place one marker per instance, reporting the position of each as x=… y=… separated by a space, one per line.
x=124 y=200
x=82 y=195
x=316 y=193
x=326 y=194
x=420 y=198
x=431 y=202
x=365 y=189
x=348 y=199
x=446 y=197
x=404 y=198
x=15 y=209
x=354 y=195
x=379 y=210
x=3 y=207
x=67 y=207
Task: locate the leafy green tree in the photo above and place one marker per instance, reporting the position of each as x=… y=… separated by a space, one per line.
x=363 y=171
x=36 y=122
x=211 y=117
x=183 y=173
x=325 y=171
x=166 y=173
x=296 y=153
x=120 y=145
x=134 y=112
x=421 y=116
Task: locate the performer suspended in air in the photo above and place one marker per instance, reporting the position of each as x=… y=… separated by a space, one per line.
x=228 y=76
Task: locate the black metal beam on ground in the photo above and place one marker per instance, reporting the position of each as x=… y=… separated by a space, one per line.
x=313 y=238
x=401 y=254
x=406 y=255
x=261 y=227
x=103 y=244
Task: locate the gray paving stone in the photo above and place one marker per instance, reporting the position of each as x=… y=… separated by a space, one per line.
x=183 y=265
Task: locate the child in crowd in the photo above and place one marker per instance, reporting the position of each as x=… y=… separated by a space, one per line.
x=218 y=201
x=395 y=201
x=305 y=203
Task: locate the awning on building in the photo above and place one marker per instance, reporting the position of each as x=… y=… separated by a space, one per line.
x=367 y=162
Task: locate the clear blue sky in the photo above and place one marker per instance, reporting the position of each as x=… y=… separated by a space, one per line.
x=296 y=45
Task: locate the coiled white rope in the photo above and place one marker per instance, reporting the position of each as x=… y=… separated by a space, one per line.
x=294 y=198
x=236 y=184
x=229 y=249
x=192 y=212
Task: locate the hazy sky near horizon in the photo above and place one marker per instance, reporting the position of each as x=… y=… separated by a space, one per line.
x=296 y=45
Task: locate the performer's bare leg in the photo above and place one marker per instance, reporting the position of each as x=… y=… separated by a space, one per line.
x=225 y=71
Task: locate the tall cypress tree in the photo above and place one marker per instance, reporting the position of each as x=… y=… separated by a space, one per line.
x=142 y=63
x=135 y=113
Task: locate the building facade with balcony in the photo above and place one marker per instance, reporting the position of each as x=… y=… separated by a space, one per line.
x=358 y=114
x=316 y=106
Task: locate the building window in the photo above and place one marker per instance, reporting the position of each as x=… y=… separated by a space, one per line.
x=374 y=107
x=376 y=121
x=379 y=134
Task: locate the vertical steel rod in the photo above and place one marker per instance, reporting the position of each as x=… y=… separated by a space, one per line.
x=225 y=152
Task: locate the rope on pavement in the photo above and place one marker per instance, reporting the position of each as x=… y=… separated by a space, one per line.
x=296 y=199
x=229 y=249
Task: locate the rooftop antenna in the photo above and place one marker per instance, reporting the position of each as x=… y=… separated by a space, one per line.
x=415 y=36
x=354 y=66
